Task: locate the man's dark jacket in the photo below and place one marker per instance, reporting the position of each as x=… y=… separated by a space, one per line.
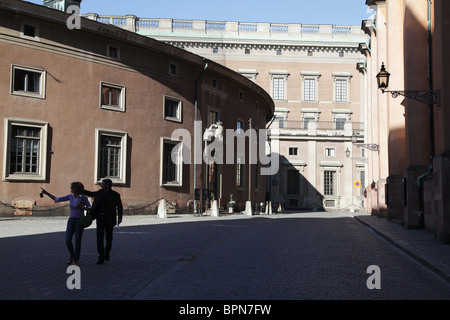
x=113 y=206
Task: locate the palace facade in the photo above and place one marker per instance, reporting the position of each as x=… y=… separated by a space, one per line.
x=316 y=76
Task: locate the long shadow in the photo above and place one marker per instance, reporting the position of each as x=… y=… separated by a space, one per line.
x=271 y=257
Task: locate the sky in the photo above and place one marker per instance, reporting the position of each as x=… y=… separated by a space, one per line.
x=336 y=12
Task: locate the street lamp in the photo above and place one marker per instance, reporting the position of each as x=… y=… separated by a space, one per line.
x=424 y=96
x=347 y=153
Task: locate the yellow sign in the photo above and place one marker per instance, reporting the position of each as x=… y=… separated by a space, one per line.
x=357 y=184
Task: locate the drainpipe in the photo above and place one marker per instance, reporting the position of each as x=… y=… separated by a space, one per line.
x=195 y=131
x=430 y=119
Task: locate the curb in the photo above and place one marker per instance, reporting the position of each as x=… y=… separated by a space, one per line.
x=418 y=255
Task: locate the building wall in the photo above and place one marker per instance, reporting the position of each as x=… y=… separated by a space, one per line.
x=74 y=63
x=418 y=154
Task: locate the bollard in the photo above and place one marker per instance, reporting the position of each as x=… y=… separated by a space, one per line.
x=162 y=209
x=214 y=209
x=248 y=208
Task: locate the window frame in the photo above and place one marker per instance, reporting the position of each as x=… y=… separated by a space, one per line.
x=179 y=116
x=26 y=93
x=43 y=153
x=178 y=182
x=122 y=178
x=310 y=76
x=36 y=31
x=122 y=98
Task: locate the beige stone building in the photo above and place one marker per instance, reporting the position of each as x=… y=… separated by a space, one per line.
x=98 y=102
x=411 y=171
x=316 y=76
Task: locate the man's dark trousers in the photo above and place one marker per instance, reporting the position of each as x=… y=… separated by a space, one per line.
x=102 y=231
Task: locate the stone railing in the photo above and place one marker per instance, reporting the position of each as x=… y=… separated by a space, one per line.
x=145 y=25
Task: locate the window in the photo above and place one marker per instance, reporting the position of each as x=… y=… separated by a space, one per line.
x=111 y=151
x=26 y=145
x=172 y=109
x=341 y=54
x=241 y=95
x=329 y=179
x=173 y=69
x=310 y=90
x=340 y=123
x=310 y=53
x=293 y=182
x=240 y=127
x=341 y=90
x=293 y=151
x=215 y=50
x=112 y=97
x=240 y=171
x=247 y=51
x=330 y=152
x=306 y=121
x=171 y=163
x=214 y=83
x=213 y=117
x=29 y=31
x=279 y=52
x=28 y=82
x=279 y=84
x=310 y=84
x=278 y=88
x=113 y=52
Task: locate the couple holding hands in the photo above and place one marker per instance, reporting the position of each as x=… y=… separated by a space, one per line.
x=106 y=209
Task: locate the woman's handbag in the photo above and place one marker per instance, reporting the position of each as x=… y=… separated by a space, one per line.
x=85 y=220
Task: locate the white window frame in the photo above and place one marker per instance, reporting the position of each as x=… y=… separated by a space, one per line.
x=310 y=113
x=279 y=74
x=293 y=148
x=122 y=178
x=36 y=31
x=345 y=114
x=331 y=166
x=249 y=74
x=332 y=154
x=42 y=166
x=178 y=182
x=179 y=116
x=122 y=97
x=341 y=76
x=310 y=75
x=25 y=93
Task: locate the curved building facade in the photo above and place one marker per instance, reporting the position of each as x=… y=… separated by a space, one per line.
x=98 y=101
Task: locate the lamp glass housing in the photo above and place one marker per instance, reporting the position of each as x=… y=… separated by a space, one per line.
x=383 y=78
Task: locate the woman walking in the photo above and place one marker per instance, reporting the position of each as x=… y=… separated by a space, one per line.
x=76 y=198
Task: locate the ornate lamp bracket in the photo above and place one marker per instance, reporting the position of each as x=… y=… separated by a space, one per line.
x=424 y=96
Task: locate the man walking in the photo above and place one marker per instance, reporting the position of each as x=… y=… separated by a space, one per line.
x=107 y=209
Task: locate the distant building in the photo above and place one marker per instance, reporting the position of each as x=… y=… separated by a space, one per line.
x=411 y=174
x=102 y=102
x=316 y=76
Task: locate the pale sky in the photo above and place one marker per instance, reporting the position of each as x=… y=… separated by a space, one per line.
x=337 y=12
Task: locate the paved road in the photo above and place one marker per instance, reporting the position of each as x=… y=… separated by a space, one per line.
x=279 y=257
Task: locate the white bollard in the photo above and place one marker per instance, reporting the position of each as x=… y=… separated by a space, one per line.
x=214 y=209
x=270 y=207
x=248 y=208
x=162 y=209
